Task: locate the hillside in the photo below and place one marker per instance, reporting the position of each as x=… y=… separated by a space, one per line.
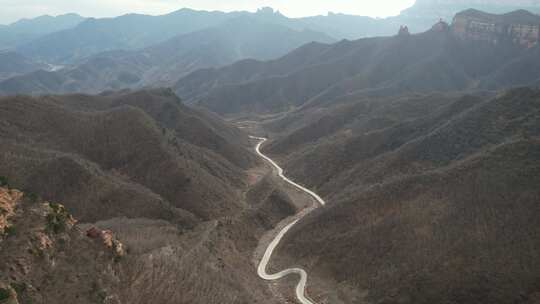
x=77 y=37
x=437 y=60
x=130 y=31
x=179 y=187
x=89 y=141
x=26 y=30
x=46 y=258
x=13 y=64
x=432 y=198
x=90 y=58
x=164 y=63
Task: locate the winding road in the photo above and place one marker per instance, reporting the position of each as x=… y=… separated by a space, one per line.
x=261 y=270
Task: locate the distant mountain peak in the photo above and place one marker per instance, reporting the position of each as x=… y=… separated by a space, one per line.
x=267 y=10
x=46 y=18
x=404 y=31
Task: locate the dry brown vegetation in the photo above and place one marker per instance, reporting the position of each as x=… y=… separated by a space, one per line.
x=122 y=155
x=437 y=204
x=170 y=183
x=434 y=61
x=41 y=263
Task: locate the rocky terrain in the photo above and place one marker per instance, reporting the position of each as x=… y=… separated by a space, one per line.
x=422 y=13
x=46 y=258
x=519 y=27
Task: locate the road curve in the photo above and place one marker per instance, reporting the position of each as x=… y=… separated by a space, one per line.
x=261 y=270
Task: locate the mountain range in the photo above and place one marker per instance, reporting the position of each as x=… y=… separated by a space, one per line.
x=159 y=50
x=436 y=60
x=422 y=148
x=164 y=63
x=26 y=30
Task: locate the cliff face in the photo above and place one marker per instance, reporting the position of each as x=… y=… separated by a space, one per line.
x=520 y=27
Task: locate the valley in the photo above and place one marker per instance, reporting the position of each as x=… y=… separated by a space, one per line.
x=261 y=269
x=231 y=157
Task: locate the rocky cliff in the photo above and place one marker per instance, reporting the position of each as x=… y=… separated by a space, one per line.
x=519 y=27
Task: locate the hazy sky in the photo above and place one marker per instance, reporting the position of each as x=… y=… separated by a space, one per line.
x=12 y=10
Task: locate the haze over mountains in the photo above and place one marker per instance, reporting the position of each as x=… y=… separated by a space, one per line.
x=164 y=63
x=26 y=30
x=437 y=60
x=139 y=50
x=128 y=173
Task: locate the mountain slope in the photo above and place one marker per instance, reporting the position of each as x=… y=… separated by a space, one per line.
x=12 y=64
x=132 y=146
x=25 y=30
x=432 y=198
x=125 y=32
x=174 y=184
x=231 y=41
x=437 y=60
x=164 y=63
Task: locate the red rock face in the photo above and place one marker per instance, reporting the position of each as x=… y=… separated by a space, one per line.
x=106 y=236
x=8 y=201
x=93 y=233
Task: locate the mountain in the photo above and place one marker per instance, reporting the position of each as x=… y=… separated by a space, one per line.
x=178 y=187
x=164 y=63
x=234 y=40
x=134 y=155
x=13 y=64
x=71 y=38
x=25 y=30
x=157 y=50
x=432 y=198
x=90 y=143
x=93 y=76
x=448 y=8
x=352 y=27
x=424 y=12
x=440 y=59
x=125 y=32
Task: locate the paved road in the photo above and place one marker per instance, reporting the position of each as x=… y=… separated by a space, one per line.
x=261 y=270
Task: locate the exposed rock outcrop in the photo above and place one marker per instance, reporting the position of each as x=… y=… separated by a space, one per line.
x=108 y=239
x=8 y=202
x=519 y=27
x=43 y=253
x=404 y=31
x=8 y=295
